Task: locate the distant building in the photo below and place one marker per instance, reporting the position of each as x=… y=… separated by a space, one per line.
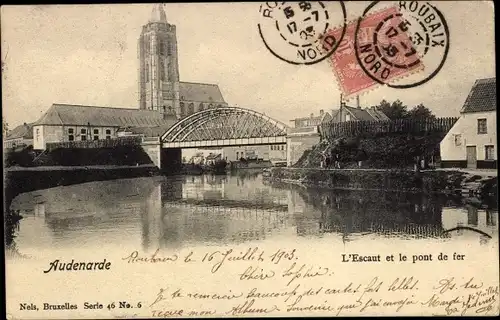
x=312 y=120
x=472 y=141
x=198 y=158
x=63 y=122
x=275 y=153
x=346 y=113
x=160 y=88
x=21 y=135
x=213 y=158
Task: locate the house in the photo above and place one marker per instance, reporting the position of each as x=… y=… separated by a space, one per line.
x=213 y=158
x=346 y=113
x=312 y=120
x=472 y=141
x=64 y=122
x=21 y=135
x=198 y=158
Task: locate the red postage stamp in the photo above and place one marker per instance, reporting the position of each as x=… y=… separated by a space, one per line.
x=385 y=53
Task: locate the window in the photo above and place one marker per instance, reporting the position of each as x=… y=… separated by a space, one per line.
x=71 y=134
x=161 y=46
x=108 y=134
x=482 y=127
x=83 y=138
x=168 y=71
x=282 y=148
x=191 y=108
x=169 y=48
x=37 y=134
x=490 y=152
x=183 y=110
x=83 y=131
x=162 y=70
x=458 y=140
x=147 y=71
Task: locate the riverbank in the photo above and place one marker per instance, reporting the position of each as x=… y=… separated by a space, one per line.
x=24 y=179
x=427 y=181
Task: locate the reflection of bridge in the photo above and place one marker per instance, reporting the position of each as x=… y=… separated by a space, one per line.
x=222 y=204
x=220 y=194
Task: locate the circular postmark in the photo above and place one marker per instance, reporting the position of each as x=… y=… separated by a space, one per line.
x=296 y=32
x=407 y=39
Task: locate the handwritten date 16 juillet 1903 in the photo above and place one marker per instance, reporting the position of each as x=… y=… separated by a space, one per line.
x=216 y=258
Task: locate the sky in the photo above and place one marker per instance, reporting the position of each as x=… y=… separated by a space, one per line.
x=87 y=55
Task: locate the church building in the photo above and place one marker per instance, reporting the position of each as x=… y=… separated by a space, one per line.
x=163 y=98
x=160 y=88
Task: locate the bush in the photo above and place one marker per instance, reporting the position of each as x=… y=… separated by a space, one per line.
x=19 y=157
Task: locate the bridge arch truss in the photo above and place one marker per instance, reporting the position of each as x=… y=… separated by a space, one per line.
x=225 y=126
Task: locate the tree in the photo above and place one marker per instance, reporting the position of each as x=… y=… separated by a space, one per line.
x=5 y=127
x=421 y=112
x=395 y=110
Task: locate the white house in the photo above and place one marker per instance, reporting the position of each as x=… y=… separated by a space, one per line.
x=472 y=141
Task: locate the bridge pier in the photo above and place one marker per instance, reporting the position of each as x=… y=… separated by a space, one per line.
x=171 y=160
x=299 y=140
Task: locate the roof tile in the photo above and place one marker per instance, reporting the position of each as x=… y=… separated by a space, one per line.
x=482 y=97
x=22 y=131
x=202 y=92
x=77 y=115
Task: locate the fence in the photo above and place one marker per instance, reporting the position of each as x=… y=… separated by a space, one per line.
x=96 y=144
x=332 y=130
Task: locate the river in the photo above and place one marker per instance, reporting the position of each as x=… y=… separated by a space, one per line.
x=183 y=211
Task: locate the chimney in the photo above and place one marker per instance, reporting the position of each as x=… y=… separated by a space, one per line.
x=321 y=112
x=312 y=115
x=357 y=102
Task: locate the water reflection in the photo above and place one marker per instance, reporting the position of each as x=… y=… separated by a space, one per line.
x=181 y=211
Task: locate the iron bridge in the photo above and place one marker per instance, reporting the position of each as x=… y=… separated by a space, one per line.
x=224 y=126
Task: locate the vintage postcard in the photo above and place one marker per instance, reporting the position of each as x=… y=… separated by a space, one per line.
x=292 y=159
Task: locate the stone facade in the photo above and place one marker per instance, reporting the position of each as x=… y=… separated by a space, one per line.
x=299 y=141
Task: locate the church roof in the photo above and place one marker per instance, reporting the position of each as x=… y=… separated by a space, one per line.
x=202 y=92
x=158 y=14
x=77 y=115
x=482 y=97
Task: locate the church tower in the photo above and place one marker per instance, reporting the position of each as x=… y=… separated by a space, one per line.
x=158 y=65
